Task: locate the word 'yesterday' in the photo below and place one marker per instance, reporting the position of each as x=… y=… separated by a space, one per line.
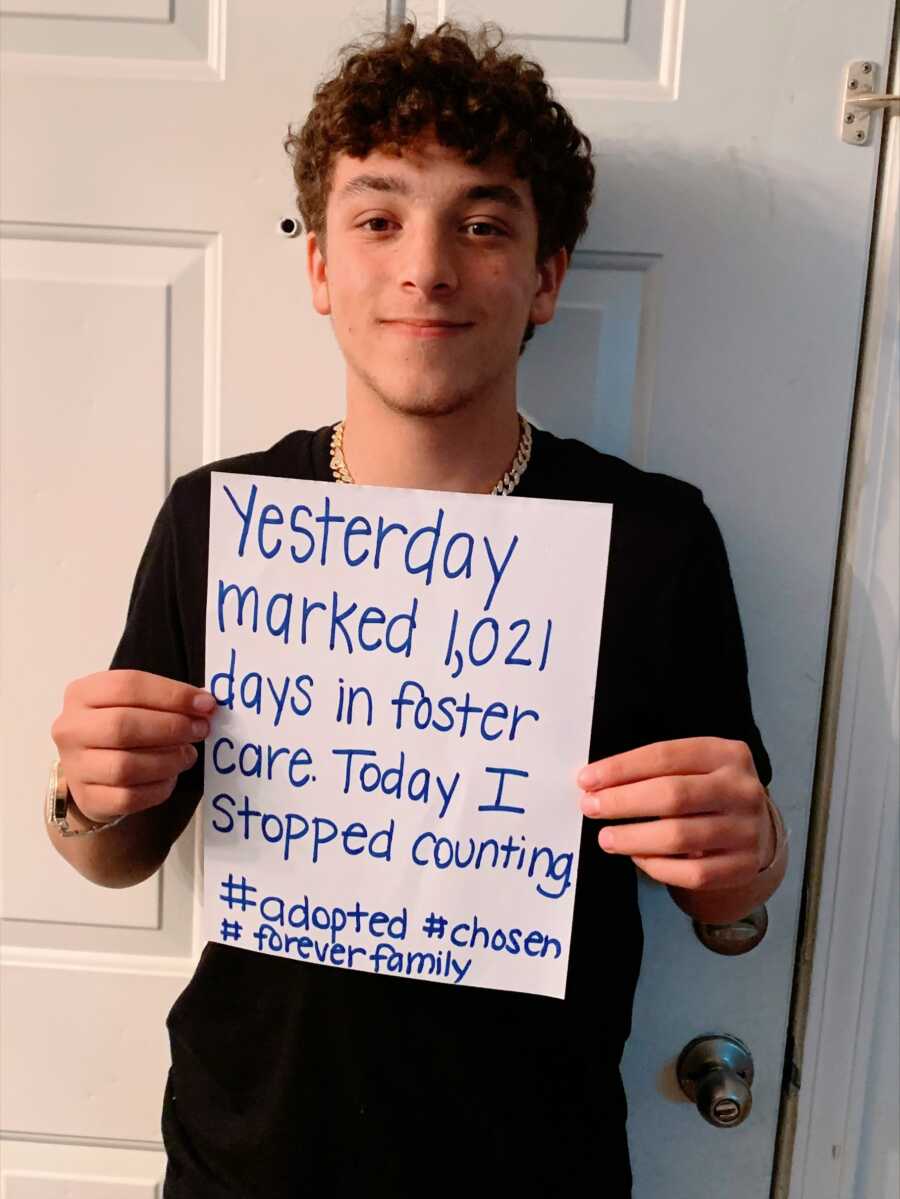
x=416 y=549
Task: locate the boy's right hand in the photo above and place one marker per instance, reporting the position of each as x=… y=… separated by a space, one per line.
x=124 y=736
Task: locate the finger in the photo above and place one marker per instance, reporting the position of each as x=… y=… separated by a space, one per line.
x=138 y=728
x=711 y=872
x=139 y=689
x=690 y=755
x=133 y=768
x=674 y=795
x=692 y=834
x=106 y=803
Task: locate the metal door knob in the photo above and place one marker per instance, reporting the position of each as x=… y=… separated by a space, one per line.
x=716 y=1072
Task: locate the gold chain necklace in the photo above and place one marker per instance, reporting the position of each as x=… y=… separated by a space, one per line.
x=503 y=487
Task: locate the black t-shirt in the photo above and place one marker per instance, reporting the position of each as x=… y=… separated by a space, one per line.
x=292 y=1079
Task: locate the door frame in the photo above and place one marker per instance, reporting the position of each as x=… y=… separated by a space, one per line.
x=845 y=936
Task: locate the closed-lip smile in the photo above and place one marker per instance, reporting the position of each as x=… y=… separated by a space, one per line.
x=428 y=329
x=427 y=324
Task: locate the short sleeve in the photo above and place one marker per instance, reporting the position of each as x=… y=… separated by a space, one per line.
x=704 y=656
x=153 y=637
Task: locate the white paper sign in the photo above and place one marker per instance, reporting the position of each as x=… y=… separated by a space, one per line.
x=405 y=682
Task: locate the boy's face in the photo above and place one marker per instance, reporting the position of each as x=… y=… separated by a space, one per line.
x=408 y=241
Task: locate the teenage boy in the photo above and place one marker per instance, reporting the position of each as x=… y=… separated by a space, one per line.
x=443 y=192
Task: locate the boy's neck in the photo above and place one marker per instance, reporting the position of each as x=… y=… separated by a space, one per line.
x=467 y=450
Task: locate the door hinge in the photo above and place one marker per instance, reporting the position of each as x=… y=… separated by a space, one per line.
x=860 y=100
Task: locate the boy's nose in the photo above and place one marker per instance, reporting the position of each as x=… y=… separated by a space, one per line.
x=427 y=263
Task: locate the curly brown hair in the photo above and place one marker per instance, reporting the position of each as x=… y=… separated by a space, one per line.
x=479 y=101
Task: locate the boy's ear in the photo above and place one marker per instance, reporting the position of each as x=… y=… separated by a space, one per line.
x=317 y=270
x=551 y=273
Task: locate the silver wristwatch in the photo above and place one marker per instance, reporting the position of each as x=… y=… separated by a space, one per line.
x=60 y=803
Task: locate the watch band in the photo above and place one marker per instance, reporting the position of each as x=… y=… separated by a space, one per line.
x=60 y=803
x=782 y=836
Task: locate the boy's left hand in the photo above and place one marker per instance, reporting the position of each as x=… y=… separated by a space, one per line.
x=713 y=829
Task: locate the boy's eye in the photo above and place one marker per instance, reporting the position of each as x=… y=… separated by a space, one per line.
x=486 y=225
x=495 y=229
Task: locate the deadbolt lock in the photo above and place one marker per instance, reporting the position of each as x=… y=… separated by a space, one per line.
x=738 y=937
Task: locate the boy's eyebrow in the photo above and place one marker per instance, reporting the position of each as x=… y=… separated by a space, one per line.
x=501 y=193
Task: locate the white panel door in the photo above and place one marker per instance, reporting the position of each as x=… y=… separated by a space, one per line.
x=709 y=328
x=153 y=317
